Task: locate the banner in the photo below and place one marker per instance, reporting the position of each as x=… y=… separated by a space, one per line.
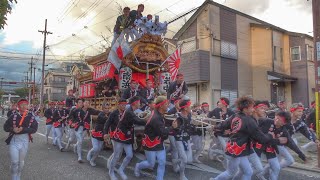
x=141 y=78
x=125 y=76
x=164 y=81
x=87 y=90
x=103 y=71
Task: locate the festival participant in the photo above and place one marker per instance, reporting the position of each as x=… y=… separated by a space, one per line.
x=175 y=109
x=97 y=134
x=204 y=108
x=48 y=113
x=59 y=117
x=124 y=137
x=177 y=89
x=72 y=133
x=243 y=128
x=70 y=100
x=20 y=126
x=299 y=126
x=282 y=106
x=147 y=93
x=81 y=122
x=282 y=119
x=198 y=135
x=122 y=23
x=259 y=114
x=131 y=91
x=181 y=135
x=110 y=126
x=220 y=138
x=13 y=110
x=155 y=133
x=134 y=15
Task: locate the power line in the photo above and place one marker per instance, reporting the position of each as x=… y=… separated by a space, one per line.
x=75 y=5
x=66 y=9
x=91 y=8
x=17 y=53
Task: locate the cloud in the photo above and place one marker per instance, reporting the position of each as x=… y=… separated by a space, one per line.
x=248 y=6
x=301 y=5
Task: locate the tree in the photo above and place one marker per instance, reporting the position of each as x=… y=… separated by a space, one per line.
x=22 y=92
x=5 y=8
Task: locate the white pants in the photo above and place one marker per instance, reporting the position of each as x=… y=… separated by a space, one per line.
x=310 y=146
x=95 y=150
x=79 y=136
x=58 y=137
x=71 y=136
x=184 y=157
x=50 y=127
x=18 y=149
x=233 y=165
x=117 y=151
x=197 y=145
x=255 y=164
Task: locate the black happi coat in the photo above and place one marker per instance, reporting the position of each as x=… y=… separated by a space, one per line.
x=57 y=117
x=70 y=101
x=217 y=114
x=48 y=113
x=244 y=129
x=266 y=125
x=29 y=125
x=184 y=130
x=125 y=128
x=284 y=132
x=155 y=132
x=81 y=117
x=173 y=86
x=97 y=132
x=301 y=127
x=111 y=124
x=10 y=112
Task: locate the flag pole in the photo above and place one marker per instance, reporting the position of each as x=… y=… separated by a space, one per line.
x=147 y=70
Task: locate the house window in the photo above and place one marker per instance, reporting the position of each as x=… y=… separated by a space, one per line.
x=295 y=53
x=229 y=50
x=187 y=45
x=275 y=53
x=216 y=47
x=281 y=54
x=309 y=52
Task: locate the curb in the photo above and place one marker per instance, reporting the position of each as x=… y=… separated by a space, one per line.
x=306 y=169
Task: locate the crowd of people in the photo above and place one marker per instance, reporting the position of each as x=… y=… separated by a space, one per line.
x=245 y=135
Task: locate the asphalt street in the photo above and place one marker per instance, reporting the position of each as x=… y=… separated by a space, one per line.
x=46 y=162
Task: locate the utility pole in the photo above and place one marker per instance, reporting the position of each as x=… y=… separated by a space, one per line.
x=45 y=32
x=1 y=82
x=34 y=83
x=316 y=39
x=30 y=80
x=26 y=78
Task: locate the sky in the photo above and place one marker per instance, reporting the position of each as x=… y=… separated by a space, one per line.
x=84 y=27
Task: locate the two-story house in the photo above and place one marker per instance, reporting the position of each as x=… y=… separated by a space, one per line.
x=226 y=53
x=55 y=84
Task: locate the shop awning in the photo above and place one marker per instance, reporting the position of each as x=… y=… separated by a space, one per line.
x=279 y=77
